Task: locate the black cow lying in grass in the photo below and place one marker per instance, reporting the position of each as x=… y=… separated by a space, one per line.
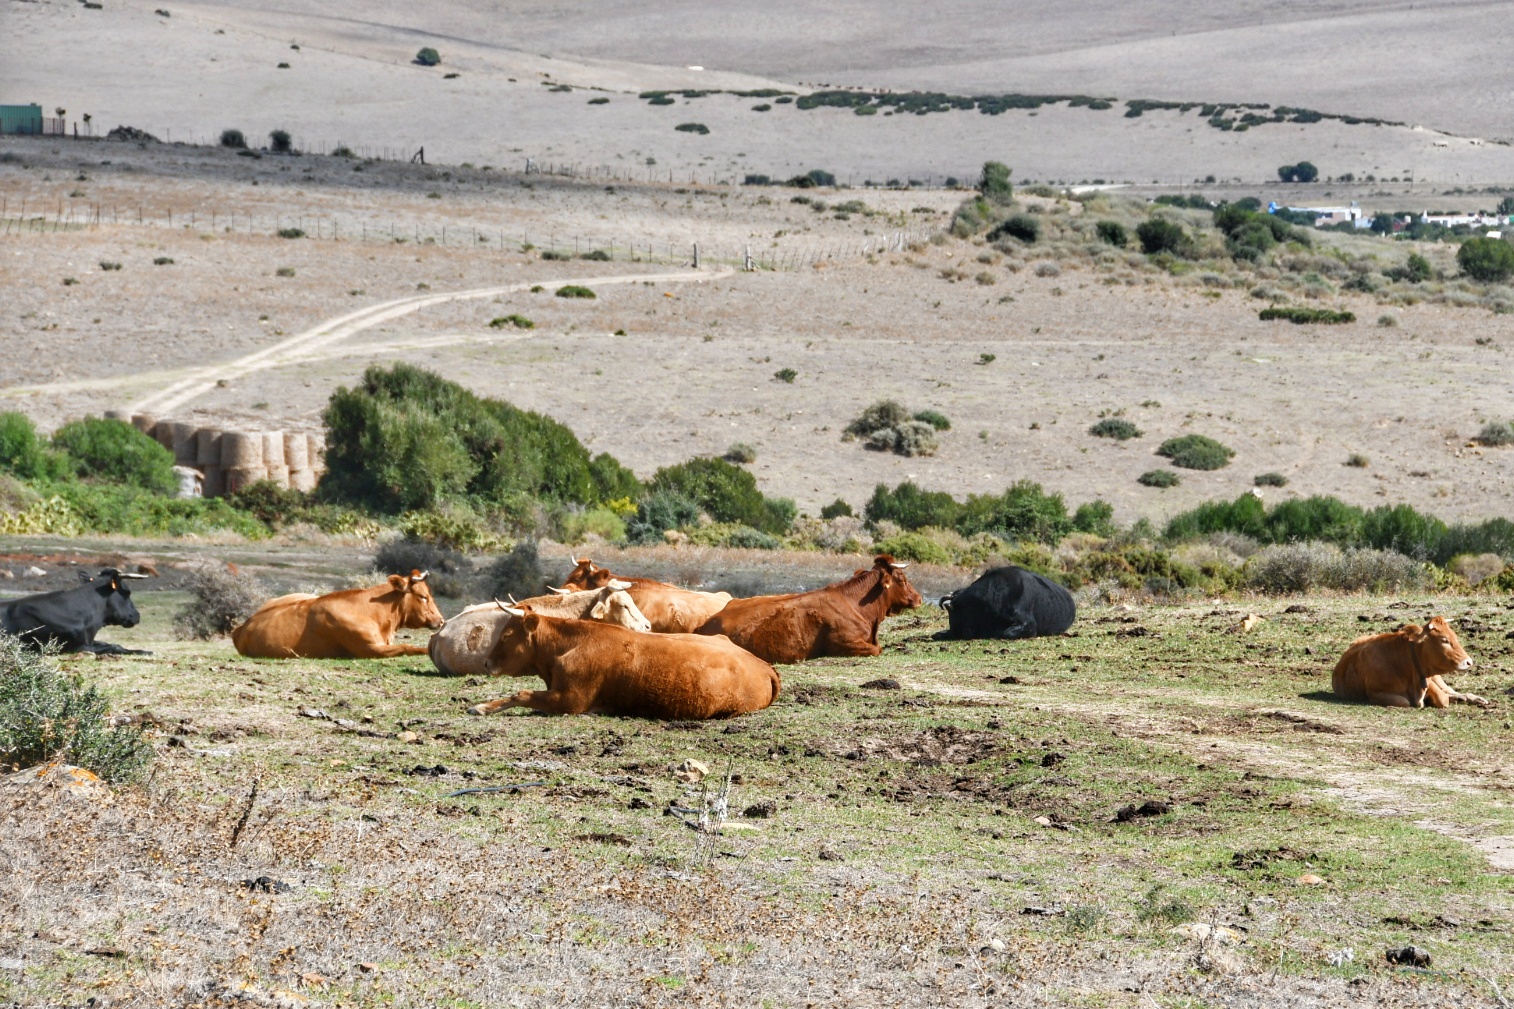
x=1008 y=602
x=71 y=618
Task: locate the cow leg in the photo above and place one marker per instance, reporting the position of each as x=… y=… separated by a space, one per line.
x=1439 y=693
x=1387 y=700
x=1019 y=629
x=553 y=702
x=375 y=650
x=106 y=648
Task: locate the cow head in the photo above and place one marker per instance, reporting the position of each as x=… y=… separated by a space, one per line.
x=894 y=585
x=514 y=652
x=417 y=608
x=617 y=607
x=120 y=611
x=585 y=575
x=1438 y=648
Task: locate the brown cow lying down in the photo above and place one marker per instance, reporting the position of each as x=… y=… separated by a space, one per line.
x=840 y=619
x=671 y=609
x=462 y=647
x=352 y=624
x=602 y=669
x=1403 y=669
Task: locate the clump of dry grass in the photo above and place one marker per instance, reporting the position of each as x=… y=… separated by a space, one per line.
x=221 y=597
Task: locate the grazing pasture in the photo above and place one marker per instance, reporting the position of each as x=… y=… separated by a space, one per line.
x=1055 y=822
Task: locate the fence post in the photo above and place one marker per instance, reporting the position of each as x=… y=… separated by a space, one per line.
x=696 y=255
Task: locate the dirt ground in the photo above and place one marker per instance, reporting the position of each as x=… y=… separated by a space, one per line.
x=682 y=362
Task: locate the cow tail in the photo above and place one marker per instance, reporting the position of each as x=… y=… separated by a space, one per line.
x=777 y=685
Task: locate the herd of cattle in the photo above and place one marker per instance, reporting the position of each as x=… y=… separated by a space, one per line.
x=633 y=646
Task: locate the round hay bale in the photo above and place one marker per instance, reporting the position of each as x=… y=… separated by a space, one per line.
x=317 y=452
x=302 y=480
x=162 y=433
x=124 y=416
x=273 y=448
x=214 y=483
x=241 y=449
x=239 y=478
x=296 y=450
x=278 y=475
x=144 y=422
x=208 y=447
x=185 y=443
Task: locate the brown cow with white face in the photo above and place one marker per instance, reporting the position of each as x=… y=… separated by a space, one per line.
x=598 y=668
x=839 y=619
x=1404 y=668
x=671 y=609
x=462 y=647
x=351 y=624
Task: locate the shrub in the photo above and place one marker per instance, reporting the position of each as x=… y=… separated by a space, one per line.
x=994 y=183
x=786 y=375
x=885 y=413
x=912 y=508
x=428 y=57
x=836 y=509
x=1357 y=461
x=117 y=452
x=1476 y=568
x=517 y=320
x=1194 y=451
x=220 y=599
x=1387 y=320
x=699 y=128
x=732 y=534
x=912 y=438
x=597 y=256
x=280 y=141
x=660 y=511
x=603 y=522
x=1493 y=434
x=740 y=452
x=1292 y=568
x=1022 y=512
x=450 y=529
x=291 y=233
x=1112 y=233
x=1022 y=226
x=728 y=493
x=518 y=573
x=1270 y=480
x=1096 y=517
x=233 y=138
x=935 y=419
x=1298 y=315
x=574 y=291
x=914 y=546
x=48 y=714
x=284 y=271
x=1161 y=235
x=1159 y=478
x=107 y=265
x=1486 y=259
x=21 y=451
x=987 y=358
x=162 y=261
x=1301 y=172
x=1117 y=428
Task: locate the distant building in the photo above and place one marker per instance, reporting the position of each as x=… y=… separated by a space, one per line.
x=1326 y=216
x=1471 y=220
x=28 y=120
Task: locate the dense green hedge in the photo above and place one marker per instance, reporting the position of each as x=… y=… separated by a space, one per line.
x=1023 y=512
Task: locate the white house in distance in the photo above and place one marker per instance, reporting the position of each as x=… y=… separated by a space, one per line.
x=1326 y=216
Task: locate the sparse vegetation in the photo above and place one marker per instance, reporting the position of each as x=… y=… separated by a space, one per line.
x=741 y=453
x=1357 y=461
x=221 y=598
x=233 y=139
x=428 y=57
x=291 y=233
x=1270 y=480
x=514 y=319
x=1300 y=316
x=280 y=142
x=1159 y=478
x=1117 y=428
x=786 y=375
x=699 y=128
x=574 y=291
x=1195 y=451
x=1161 y=235
x=1496 y=433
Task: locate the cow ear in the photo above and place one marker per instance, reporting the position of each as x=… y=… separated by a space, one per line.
x=600 y=609
x=397 y=583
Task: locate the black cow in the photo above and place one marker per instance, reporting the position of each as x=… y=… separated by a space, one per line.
x=1008 y=602
x=70 y=618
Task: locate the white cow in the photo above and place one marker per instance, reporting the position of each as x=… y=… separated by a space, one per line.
x=462 y=646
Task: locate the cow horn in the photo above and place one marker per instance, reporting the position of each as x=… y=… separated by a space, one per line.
x=561 y=592
x=420 y=577
x=898 y=566
x=500 y=604
x=511 y=596
x=616 y=583
x=133 y=576
x=515 y=611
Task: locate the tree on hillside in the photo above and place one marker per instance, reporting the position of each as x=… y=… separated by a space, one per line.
x=1301 y=172
x=1486 y=259
x=994 y=182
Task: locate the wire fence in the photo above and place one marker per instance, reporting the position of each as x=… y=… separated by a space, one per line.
x=21 y=218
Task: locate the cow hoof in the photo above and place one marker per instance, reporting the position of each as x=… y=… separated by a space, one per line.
x=477 y=709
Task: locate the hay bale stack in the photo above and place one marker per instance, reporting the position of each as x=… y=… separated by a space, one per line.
x=303 y=480
x=162 y=433
x=144 y=422
x=207 y=448
x=296 y=450
x=278 y=476
x=239 y=478
x=186 y=444
x=241 y=450
x=273 y=449
x=214 y=482
x=317 y=449
x=124 y=416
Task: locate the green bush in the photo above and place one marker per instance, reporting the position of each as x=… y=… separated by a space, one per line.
x=1493 y=434
x=728 y=493
x=1159 y=478
x=786 y=375
x=21 y=451
x=596 y=255
x=732 y=534
x=456 y=530
x=517 y=320
x=1021 y=226
x=406 y=439
x=660 y=511
x=1301 y=172
x=885 y=413
x=1096 y=517
x=1299 y=315
x=279 y=140
x=48 y=714
x=1161 y=235
x=914 y=545
x=233 y=138
x=1115 y=427
x=699 y=128
x=574 y=291
x=935 y=419
x=740 y=452
x=1112 y=233
x=577 y=526
x=912 y=438
x=1194 y=451
x=116 y=452
x=1270 y=480
x=836 y=509
x=291 y=233
x=912 y=508
x=994 y=182
x=428 y=57
x=1489 y=260
x=517 y=573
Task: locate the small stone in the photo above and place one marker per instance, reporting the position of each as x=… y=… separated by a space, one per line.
x=33 y=572
x=994 y=946
x=408 y=737
x=691 y=771
x=1410 y=956
x=367 y=967
x=12 y=964
x=1310 y=879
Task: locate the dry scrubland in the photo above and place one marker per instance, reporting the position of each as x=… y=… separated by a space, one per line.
x=884 y=845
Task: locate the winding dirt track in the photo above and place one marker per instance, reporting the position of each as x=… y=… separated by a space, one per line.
x=299 y=347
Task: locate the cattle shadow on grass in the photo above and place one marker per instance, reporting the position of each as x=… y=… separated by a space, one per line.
x=1326 y=697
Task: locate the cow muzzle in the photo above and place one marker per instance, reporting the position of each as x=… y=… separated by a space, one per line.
x=1465 y=664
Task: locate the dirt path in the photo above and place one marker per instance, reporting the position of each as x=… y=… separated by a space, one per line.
x=331 y=331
